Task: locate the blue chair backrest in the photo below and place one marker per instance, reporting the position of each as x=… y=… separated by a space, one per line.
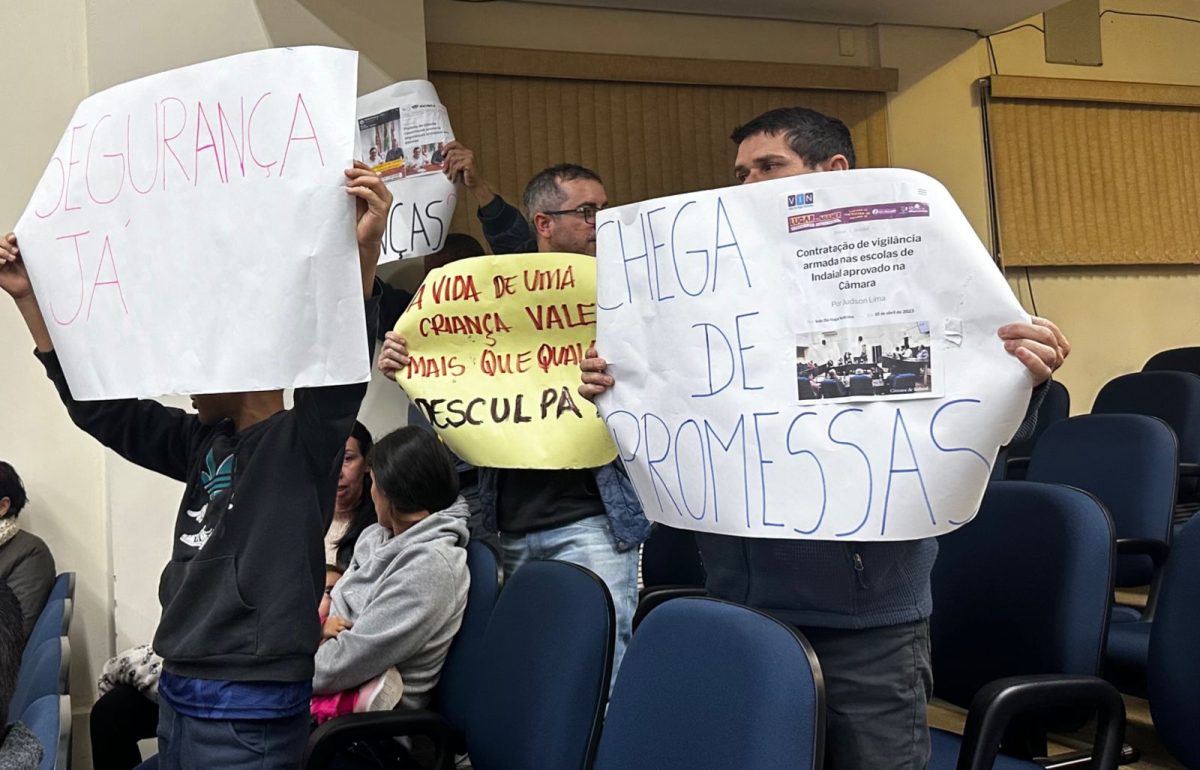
x=43 y=672
x=831 y=388
x=1129 y=462
x=904 y=383
x=1173 y=397
x=63 y=588
x=1024 y=588
x=671 y=557
x=805 y=389
x=540 y=697
x=459 y=677
x=51 y=623
x=1055 y=406
x=860 y=385
x=706 y=683
x=45 y=718
x=1173 y=676
x=1175 y=360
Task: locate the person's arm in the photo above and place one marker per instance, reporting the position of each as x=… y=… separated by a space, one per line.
x=144 y=432
x=1042 y=347
x=416 y=602
x=505 y=228
x=326 y=414
x=392 y=304
x=31 y=579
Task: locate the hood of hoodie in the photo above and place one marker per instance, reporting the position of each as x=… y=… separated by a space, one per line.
x=449 y=524
x=441 y=529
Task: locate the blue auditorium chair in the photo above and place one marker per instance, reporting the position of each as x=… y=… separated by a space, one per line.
x=1173 y=397
x=1021 y=605
x=670 y=557
x=445 y=723
x=904 y=383
x=45 y=670
x=53 y=622
x=49 y=718
x=710 y=684
x=1129 y=644
x=540 y=698
x=805 y=389
x=1055 y=406
x=1174 y=654
x=63 y=588
x=860 y=385
x=831 y=388
x=671 y=568
x=1175 y=360
x=1129 y=462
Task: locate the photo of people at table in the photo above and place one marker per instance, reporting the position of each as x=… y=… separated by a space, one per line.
x=873 y=362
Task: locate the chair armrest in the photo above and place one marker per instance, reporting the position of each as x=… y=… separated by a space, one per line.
x=652 y=597
x=336 y=734
x=999 y=702
x=1189 y=469
x=1015 y=468
x=1157 y=550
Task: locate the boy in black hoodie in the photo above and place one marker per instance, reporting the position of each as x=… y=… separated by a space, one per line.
x=239 y=623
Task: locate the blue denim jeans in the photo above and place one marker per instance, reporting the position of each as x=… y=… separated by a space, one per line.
x=187 y=743
x=589 y=543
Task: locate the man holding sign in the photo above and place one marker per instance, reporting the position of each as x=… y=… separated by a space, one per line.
x=588 y=516
x=864 y=606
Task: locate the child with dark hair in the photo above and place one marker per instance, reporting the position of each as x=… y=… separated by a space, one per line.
x=402 y=598
x=26 y=564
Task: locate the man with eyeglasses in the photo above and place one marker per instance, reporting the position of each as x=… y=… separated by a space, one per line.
x=588 y=516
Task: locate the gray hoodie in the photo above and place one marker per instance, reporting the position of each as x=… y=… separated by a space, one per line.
x=405 y=595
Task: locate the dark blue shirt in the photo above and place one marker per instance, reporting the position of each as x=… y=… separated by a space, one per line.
x=216 y=699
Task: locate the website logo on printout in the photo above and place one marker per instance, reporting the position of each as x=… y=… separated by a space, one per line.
x=800 y=200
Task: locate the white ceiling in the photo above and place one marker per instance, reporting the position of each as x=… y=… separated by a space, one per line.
x=984 y=15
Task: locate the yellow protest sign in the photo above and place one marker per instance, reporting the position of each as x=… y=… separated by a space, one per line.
x=496 y=344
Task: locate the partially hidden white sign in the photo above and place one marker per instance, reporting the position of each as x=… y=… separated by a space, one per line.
x=402 y=133
x=192 y=233
x=812 y=357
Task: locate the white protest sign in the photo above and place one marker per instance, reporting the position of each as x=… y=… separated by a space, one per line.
x=811 y=357
x=402 y=132
x=192 y=233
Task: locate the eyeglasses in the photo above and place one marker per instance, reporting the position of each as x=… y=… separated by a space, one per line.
x=587 y=212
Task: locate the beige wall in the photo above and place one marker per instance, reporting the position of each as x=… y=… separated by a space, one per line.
x=934 y=125
x=43 y=77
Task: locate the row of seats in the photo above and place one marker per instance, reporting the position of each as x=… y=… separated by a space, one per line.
x=1139 y=454
x=41 y=698
x=1168 y=388
x=1020 y=625
x=526 y=683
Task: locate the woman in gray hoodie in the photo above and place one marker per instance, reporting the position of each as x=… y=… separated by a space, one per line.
x=402 y=598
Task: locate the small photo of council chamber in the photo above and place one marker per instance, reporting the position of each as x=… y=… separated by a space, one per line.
x=872 y=362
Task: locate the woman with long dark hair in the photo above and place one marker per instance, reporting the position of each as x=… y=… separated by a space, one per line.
x=353 y=510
